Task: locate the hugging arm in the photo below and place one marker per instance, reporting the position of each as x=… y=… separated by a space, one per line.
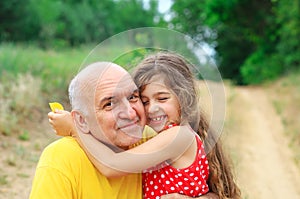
x=166 y=146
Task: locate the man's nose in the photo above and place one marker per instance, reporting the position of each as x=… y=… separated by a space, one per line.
x=127 y=110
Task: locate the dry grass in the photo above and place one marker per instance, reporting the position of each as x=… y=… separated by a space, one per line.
x=285 y=94
x=20 y=97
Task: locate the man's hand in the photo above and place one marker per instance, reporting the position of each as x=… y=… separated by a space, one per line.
x=209 y=195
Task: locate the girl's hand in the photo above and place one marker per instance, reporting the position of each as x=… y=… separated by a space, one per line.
x=62 y=122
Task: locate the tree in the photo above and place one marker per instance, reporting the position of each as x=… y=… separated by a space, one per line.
x=254 y=39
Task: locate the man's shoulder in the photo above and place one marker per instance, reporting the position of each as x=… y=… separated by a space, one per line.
x=64 y=150
x=66 y=143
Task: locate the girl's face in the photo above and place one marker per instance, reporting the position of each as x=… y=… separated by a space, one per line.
x=161 y=105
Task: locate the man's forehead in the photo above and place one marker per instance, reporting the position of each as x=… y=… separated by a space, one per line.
x=114 y=86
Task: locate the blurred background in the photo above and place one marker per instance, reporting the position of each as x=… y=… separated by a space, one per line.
x=254 y=43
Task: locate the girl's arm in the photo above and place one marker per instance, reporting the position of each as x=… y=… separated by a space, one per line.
x=62 y=122
x=166 y=146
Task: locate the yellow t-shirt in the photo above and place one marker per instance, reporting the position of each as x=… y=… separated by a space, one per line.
x=64 y=171
x=148 y=133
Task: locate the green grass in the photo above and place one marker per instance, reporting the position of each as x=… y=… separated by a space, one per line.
x=30 y=77
x=287 y=104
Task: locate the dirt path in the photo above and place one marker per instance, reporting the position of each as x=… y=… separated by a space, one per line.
x=264 y=164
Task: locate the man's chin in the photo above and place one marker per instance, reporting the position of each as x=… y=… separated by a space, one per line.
x=133 y=132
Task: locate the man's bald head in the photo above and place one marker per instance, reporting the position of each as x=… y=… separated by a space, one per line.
x=83 y=86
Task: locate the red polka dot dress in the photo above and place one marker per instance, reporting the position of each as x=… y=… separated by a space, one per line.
x=190 y=181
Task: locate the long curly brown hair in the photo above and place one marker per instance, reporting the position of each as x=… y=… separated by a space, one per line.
x=178 y=76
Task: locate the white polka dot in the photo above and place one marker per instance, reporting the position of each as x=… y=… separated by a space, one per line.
x=192 y=174
x=172 y=188
x=155 y=187
x=176 y=176
x=185 y=179
x=192 y=183
x=179 y=174
x=167 y=172
x=203 y=156
x=154 y=176
x=206 y=162
x=197 y=188
x=152 y=193
x=151 y=182
x=147 y=189
x=191 y=192
x=186 y=188
x=196 y=178
x=186 y=170
x=157 y=197
x=167 y=182
x=171 y=179
x=197 y=168
x=162 y=175
x=181 y=192
x=180 y=183
x=161 y=191
x=199 y=182
x=201 y=167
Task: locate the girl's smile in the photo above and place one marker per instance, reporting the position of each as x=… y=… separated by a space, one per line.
x=161 y=105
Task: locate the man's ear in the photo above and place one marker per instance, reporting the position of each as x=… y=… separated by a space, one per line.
x=80 y=122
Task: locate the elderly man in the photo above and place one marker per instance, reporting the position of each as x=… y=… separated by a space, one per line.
x=64 y=169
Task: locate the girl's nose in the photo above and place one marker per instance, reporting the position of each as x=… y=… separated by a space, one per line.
x=153 y=108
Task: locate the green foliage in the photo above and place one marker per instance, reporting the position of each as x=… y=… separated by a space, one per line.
x=257 y=69
x=255 y=40
x=56 y=23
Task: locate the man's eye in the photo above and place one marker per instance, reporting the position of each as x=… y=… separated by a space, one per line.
x=109 y=104
x=134 y=98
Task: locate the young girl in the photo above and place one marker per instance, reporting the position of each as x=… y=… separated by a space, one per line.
x=169 y=95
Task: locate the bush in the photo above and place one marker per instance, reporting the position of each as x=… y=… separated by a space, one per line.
x=258 y=69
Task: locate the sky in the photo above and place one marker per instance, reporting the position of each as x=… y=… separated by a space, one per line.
x=163 y=5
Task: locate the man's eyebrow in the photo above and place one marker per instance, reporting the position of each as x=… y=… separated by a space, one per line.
x=136 y=91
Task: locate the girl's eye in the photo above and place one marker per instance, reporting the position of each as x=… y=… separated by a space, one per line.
x=163 y=98
x=145 y=102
